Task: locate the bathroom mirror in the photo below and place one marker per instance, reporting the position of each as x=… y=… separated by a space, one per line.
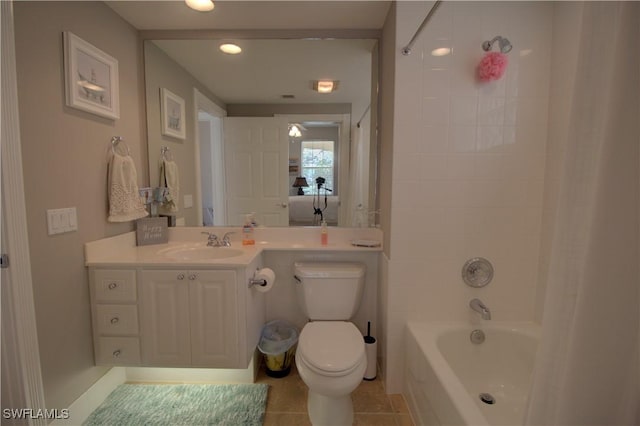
x=255 y=122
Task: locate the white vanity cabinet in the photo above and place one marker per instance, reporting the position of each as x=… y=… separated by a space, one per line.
x=154 y=317
x=189 y=318
x=115 y=317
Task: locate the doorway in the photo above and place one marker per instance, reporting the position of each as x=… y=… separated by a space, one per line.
x=210 y=200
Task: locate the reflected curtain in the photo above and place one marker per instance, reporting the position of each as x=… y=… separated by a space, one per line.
x=588 y=364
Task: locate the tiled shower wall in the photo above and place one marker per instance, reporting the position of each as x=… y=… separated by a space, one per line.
x=468 y=165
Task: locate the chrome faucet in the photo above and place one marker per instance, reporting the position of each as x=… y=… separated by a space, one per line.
x=214 y=241
x=479 y=307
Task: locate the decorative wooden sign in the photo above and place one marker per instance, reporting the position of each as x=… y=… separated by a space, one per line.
x=152 y=230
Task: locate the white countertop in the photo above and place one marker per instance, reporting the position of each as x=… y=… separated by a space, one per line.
x=122 y=251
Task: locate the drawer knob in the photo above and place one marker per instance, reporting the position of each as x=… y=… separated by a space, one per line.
x=115 y=320
x=181 y=277
x=113 y=286
x=193 y=277
x=116 y=353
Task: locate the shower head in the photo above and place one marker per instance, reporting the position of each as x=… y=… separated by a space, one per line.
x=503 y=42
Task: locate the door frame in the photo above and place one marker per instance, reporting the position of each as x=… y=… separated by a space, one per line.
x=202 y=102
x=20 y=353
x=344 y=155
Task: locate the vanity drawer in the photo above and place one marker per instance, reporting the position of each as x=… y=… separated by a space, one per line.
x=118 y=351
x=112 y=285
x=117 y=319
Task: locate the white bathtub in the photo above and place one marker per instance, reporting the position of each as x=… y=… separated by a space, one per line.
x=445 y=373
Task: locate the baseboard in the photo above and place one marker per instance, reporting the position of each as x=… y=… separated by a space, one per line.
x=82 y=407
x=190 y=375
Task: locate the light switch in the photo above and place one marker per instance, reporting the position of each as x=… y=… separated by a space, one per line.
x=62 y=220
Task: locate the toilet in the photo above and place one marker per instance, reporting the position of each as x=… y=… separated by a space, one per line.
x=331 y=356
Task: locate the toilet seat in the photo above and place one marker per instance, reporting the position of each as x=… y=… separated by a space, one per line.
x=331 y=348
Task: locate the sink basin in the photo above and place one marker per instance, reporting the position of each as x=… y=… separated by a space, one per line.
x=202 y=253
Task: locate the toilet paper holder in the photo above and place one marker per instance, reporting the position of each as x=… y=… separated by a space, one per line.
x=257 y=281
x=254 y=281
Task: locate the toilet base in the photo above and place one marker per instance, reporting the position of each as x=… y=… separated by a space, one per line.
x=329 y=411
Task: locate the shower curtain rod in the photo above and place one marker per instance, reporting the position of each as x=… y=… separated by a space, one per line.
x=363 y=114
x=406 y=51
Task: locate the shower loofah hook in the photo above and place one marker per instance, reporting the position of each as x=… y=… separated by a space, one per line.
x=503 y=43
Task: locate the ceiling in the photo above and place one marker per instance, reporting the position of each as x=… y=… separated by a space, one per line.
x=244 y=15
x=268 y=69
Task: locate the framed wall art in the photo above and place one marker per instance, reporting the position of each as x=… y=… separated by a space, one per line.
x=173 y=114
x=91 y=78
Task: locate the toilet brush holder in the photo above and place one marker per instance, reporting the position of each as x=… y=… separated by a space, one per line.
x=371 y=350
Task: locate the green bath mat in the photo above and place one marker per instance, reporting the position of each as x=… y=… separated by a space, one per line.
x=173 y=405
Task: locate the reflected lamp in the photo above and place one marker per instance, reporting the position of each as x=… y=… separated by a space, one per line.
x=301 y=182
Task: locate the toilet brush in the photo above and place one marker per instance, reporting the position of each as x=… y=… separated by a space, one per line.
x=371 y=351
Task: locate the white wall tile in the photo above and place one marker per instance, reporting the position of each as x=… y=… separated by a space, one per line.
x=435 y=83
x=464 y=111
x=462 y=139
x=483 y=146
x=435 y=111
x=491 y=111
x=434 y=140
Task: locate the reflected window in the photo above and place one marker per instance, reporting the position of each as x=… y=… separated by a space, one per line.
x=318 y=160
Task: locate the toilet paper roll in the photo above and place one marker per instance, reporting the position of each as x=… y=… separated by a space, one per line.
x=264 y=275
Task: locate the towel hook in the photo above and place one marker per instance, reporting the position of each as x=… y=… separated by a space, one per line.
x=166 y=153
x=115 y=141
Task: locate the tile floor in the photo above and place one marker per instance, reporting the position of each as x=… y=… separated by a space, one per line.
x=287 y=403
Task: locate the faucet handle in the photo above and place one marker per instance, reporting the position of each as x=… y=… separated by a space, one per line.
x=212 y=241
x=226 y=241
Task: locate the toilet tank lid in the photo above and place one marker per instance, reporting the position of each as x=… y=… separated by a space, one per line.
x=329 y=269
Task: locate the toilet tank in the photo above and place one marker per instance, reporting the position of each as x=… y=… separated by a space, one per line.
x=329 y=290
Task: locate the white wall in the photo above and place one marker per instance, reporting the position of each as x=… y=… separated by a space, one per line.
x=468 y=165
x=64 y=154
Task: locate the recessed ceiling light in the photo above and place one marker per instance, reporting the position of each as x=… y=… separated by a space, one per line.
x=230 y=48
x=200 y=5
x=325 y=86
x=441 y=51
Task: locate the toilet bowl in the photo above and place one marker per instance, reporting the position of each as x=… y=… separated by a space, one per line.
x=331 y=357
x=331 y=361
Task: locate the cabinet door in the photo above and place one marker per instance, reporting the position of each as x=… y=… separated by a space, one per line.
x=164 y=318
x=214 y=334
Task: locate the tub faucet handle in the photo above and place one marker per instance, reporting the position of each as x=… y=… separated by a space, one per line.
x=481 y=308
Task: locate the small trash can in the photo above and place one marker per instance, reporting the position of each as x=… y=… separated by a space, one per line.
x=278 y=345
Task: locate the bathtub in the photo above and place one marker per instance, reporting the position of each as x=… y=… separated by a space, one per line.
x=445 y=372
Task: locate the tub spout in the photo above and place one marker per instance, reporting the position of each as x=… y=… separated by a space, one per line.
x=479 y=307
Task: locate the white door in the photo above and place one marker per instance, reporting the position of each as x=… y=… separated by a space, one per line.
x=257 y=169
x=214 y=327
x=164 y=318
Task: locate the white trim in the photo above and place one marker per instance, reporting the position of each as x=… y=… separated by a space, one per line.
x=15 y=239
x=82 y=407
x=192 y=375
x=202 y=102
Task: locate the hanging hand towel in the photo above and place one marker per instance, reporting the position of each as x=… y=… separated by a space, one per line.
x=124 y=200
x=169 y=179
